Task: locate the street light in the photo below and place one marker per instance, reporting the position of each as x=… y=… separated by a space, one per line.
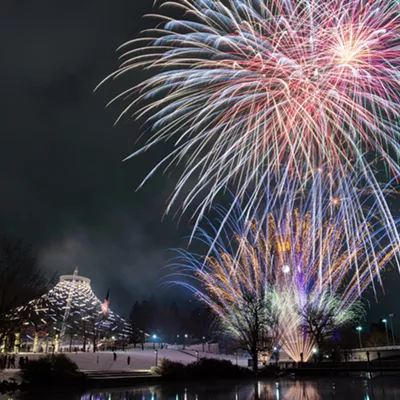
x=154 y=341
x=156 y=353
x=276 y=354
x=184 y=340
x=391 y=327
x=315 y=351
x=386 y=329
x=359 y=329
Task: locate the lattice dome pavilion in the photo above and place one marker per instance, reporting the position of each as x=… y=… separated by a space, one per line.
x=68 y=317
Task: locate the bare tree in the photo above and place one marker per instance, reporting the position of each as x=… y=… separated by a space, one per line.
x=254 y=323
x=21 y=280
x=376 y=339
x=323 y=316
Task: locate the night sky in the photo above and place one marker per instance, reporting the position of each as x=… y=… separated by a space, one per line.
x=65 y=189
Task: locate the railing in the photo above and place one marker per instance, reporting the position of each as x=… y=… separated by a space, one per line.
x=350 y=365
x=373 y=349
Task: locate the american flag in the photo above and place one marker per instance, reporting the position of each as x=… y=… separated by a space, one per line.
x=105 y=304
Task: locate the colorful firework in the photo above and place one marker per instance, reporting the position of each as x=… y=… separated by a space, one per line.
x=300 y=257
x=251 y=90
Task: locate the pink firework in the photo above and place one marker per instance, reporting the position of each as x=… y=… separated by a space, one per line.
x=270 y=90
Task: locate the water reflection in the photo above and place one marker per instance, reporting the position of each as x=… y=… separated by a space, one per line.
x=377 y=389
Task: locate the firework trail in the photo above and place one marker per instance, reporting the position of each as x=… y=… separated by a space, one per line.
x=255 y=90
x=301 y=255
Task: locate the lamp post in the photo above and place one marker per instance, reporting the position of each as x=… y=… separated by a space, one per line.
x=315 y=351
x=391 y=327
x=276 y=354
x=184 y=341
x=156 y=353
x=359 y=329
x=154 y=341
x=386 y=329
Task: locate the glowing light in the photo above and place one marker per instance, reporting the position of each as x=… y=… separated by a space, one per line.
x=335 y=201
x=285 y=269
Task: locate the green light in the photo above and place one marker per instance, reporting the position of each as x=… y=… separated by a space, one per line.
x=384 y=321
x=359 y=328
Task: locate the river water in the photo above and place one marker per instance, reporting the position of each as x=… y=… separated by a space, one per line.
x=380 y=388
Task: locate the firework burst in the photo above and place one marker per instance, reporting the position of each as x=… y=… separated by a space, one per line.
x=251 y=90
x=299 y=258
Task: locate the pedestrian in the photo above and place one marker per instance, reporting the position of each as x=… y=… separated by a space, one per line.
x=115 y=356
x=129 y=360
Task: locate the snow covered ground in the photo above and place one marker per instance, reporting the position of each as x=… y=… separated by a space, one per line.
x=139 y=359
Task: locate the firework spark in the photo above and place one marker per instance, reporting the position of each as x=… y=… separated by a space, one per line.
x=251 y=90
x=301 y=256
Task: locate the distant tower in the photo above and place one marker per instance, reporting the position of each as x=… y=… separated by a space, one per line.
x=68 y=306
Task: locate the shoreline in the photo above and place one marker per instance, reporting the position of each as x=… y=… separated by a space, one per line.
x=88 y=383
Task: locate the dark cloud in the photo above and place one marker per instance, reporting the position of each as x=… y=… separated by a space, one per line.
x=65 y=188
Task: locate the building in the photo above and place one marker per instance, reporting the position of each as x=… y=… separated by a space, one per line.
x=69 y=318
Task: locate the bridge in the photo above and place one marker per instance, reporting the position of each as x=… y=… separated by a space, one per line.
x=374 y=353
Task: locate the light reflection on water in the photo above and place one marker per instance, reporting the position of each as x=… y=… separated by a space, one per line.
x=340 y=389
